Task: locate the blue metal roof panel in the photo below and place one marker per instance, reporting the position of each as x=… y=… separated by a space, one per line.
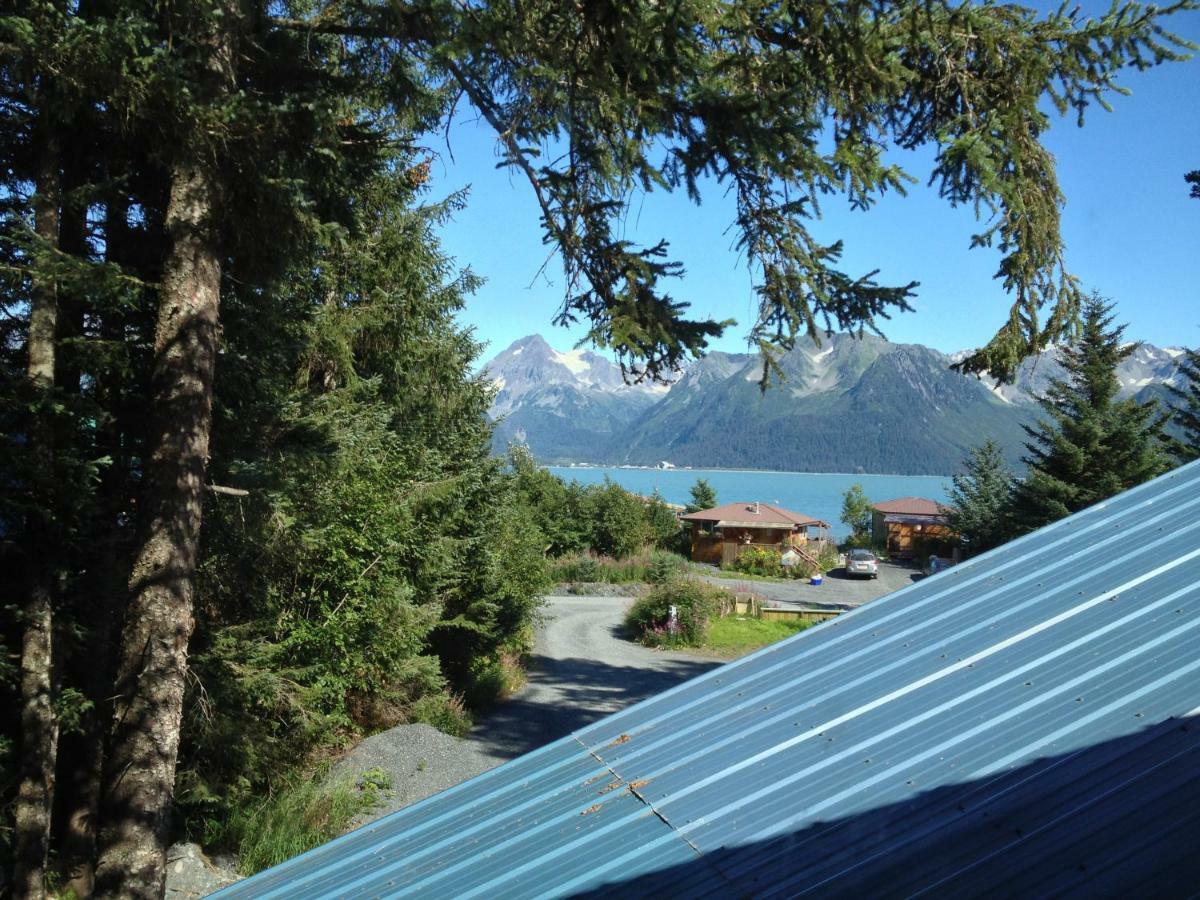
x=986 y=729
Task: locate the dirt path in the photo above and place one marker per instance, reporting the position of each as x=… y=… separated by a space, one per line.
x=581 y=671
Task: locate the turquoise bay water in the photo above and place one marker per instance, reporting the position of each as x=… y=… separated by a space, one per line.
x=814 y=494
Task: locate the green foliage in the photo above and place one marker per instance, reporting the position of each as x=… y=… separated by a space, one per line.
x=494 y=679
x=703 y=496
x=584 y=567
x=857 y=511
x=444 y=712
x=743 y=93
x=1186 y=410
x=555 y=507
x=383 y=563
x=619 y=526
x=652 y=567
x=665 y=567
x=696 y=604
x=662 y=524
x=1092 y=445
x=758 y=561
x=301 y=815
x=981 y=499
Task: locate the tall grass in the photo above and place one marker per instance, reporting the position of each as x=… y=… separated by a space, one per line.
x=647 y=566
x=301 y=816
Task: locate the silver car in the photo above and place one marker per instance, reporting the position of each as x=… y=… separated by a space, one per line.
x=862 y=562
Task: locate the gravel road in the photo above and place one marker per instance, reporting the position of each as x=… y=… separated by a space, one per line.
x=838 y=590
x=581 y=671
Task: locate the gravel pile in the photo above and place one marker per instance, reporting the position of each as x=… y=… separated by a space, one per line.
x=191 y=874
x=418 y=759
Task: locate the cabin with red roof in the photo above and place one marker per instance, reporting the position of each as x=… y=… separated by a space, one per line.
x=903 y=524
x=719 y=534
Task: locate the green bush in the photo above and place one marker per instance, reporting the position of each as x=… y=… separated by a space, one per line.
x=664 y=567
x=862 y=541
x=696 y=604
x=759 y=561
x=445 y=712
x=652 y=566
x=575 y=568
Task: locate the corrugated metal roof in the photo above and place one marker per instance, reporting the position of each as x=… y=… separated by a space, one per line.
x=1022 y=724
x=753 y=514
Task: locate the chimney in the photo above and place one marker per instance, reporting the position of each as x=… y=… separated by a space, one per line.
x=756 y=507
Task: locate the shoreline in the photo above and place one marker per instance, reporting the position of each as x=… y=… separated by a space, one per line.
x=738 y=471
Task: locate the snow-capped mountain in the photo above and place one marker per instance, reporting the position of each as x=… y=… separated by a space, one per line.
x=530 y=365
x=850 y=404
x=1148 y=367
x=563 y=404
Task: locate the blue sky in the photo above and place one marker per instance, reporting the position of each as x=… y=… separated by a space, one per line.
x=1131 y=231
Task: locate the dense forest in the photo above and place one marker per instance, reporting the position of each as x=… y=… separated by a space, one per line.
x=247 y=508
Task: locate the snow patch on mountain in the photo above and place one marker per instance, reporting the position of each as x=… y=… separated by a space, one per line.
x=573 y=360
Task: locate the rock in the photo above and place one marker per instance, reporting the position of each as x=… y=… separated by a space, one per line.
x=192 y=874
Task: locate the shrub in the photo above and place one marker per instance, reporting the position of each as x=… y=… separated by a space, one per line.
x=576 y=568
x=696 y=604
x=655 y=567
x=758 y=561
x=859 y=541
x=664 y=567
x=445 y=712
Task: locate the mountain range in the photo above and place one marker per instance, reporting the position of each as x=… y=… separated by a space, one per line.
x=853 y=404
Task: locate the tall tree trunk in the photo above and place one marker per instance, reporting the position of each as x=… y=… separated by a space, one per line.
x=79 y=812
x=152 y=657
x=39 y=725
x=152 y=662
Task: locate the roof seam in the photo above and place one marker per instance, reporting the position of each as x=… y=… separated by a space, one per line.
x=632 y=787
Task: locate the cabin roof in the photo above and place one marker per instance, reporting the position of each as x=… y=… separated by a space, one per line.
x=753 y=514
x=912 y=506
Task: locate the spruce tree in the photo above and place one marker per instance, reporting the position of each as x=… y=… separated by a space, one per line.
x=703 y=496
x=1092 y=445
x=980 y=499
x=1186 y=412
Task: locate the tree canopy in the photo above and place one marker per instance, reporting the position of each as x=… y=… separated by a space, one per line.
x=857 y=512
x=980 y=499
x=1091 y=445
x=784 y=105
x=703 y=496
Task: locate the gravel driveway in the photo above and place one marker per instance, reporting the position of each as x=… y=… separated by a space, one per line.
x=581 y=671
x=839 y=591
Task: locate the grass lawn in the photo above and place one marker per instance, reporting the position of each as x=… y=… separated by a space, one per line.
x=735 y=636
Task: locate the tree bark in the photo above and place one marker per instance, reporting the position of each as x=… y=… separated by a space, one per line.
x=152 y=662
x=152 y=656
x=39 y=725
